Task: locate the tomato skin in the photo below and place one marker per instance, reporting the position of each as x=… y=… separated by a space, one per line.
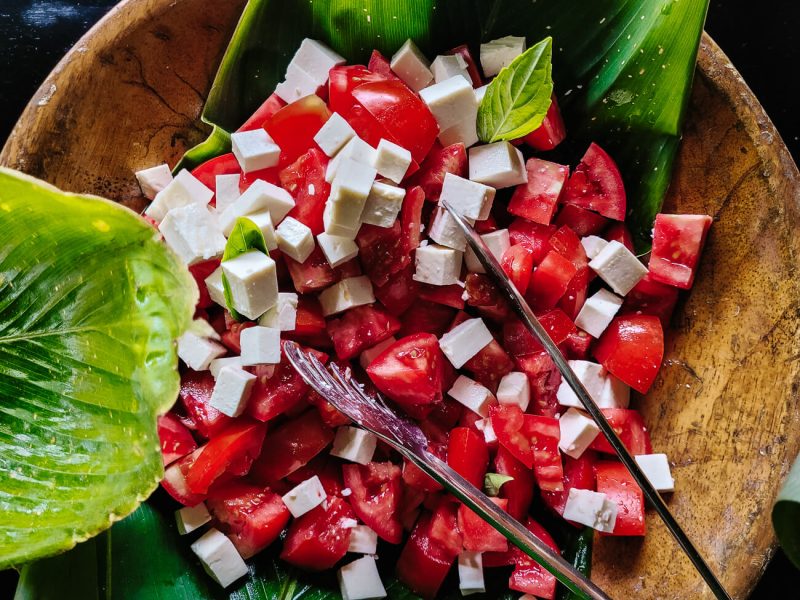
x=294 y=126
x=490 y=365
x=472 y=66
x=620 y=233
x=376 y=494
x=313 y=275
x=632 y=348
x=568 y=244
x=176 y=440
x=583 y=222
x=231 y=338
x=614 y=480
x=200 y=271
x=324 y=466
x=423 y=563
x=225 y=164
x=551 y=132
x=629 y=426
x=513 y=433
x=649 y=297
x=263 y=113
x=413 y=476
x=468 y=455
x=318 y=540
x=677 y=243
x=174 y=481
x=478 y=535
x=550 y=281
x=342 y=80
x=448 y=295
x=379 y=64
x=574 y=298
x=517 y=262
x=544 y=379
x=439 y=162
x=537 y=199
x=533 y=235
x=399 y=293
x=484 y=295
x=444 y=526
x=299 y=178
x=529 y=576
x=577 y=344
x=520 y=342
x=578 y=474
x=195 y=395
x=519 y=492
x=360 y=328
x=596 y=184
x=426 y=317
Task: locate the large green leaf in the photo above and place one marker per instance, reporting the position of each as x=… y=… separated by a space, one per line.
x=786 y=515
x=90 y=306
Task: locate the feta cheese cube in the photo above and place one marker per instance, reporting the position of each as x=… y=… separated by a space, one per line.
x=253 y=283
x=295 y=239
x=282 y=316
x=392 y=161
x=472 y=394
x=437 y=265
x=577 y=432
x=193 y=233
x=349 y=193
x=451 y=101
x=500 y=53
x=354 y=444
x=656 y=469
x=497 y=241
x=183 y=190
x=254 y=150
x=219 y=557
x=337 y=250
x=485 y=426
x=198 y=352
x=360 y=580
x=348 y=293
x=259 y=197
x=597 y=312
x=410 y=65
x=465 y=340
x=593 y=245
x=464 y=132
x=232 y=390
x=618 y=267
x=592 y=509
x=499 y=165
x=363 y=540
x=447 y=66
x=481 y=92
x=153 y=180
x=616 y=394
x=227 y=190
x=383 y=204
x=214 y=286
x=190 y=518
x=263 y=221
x=219 y=363
x=445 y=231
x=470 y=198
x=593 y=378
x=356 y=149
x=515 y=388
x=260 y=346
x=316 y=59
x=334 y=134
x=304 y=497
x=297 y=84
x=470 y=573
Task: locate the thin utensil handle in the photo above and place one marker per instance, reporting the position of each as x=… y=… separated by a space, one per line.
x=525 y=313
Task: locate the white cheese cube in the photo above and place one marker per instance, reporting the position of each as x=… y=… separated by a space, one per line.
x=232 y=390
x=363 y=540
x=295 y=239
x=263 y=221
x=451 y=101
x=618 y=267
x=410 y=65
x=298 y=84
x=356 y=149
x=219 y=363
x=190 y=518
x=348 y=523
x=337 y=250
x=497 y=241
x=471 y=394
x=470 y=573
x=656 y=469
x=253 y=282
x=219 y=557
x=193 y=233
x=592 y=509
x=259 y=197
x=577 y=432
x=349 y=193
x=391 y=161
x=597 y=312
x=348 y=293
x=304 y=497
x=354 y=444
x=514 y=388
x=153 y=180
x=469 y=198
x=316 y=59
x=261 y=346
x=334 y=134
x=214 y=285
x=370 y=354
x=198 y=352
x=593 y=378
x=445 y=231
x=481 y=92
x=185 y=189
x=204 y=329
x=499 y=165
x=383 y=204
x=465 y=340
x=485 y=426
x=464 y=132
x=254 y=150
x=447 y=66
x=593 y=245
x=616 y=394
x=360 y=580
x=227 y=190
x=437 y=265
x=282 y=316
x=500 y=53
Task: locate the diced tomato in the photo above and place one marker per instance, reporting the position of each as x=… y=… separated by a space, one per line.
x=568 y=244
x=544 y=380
x=231 y=337
x=444 y=526
x=200 y=271
x=411 y=219
x=270 y=175
x=304 y=179
x=483 y=294
x=225 y=164
x=380 y=251
x=677 y=243
x=517 y=262
x=472 y=66
x=376 y=493
x=174 y=482
x=519 y=491
x=319 y=539
x=583 y=222
x=537 y=199
x=520 y=342
x=620 y=233
x=529 y=576
x=596 y=184
x=313 y=275
x=423 y=563
x=449 y=295
x=360 y=328
x=195 y=395
x=468 y=455
x=629 y=426
x=533 y=235
x=329 y=414
x=426 y=317
x=550 y=281
x=294 y=126
x=439 y=162
x=632 y=348
x=576 y=346
x=342 y=80
x=578 y=474
x=414 y=476
x=324 y=466
x=577 y=291
x=176 y=440
x=649 y=297
x=399 y=292
x=490 y=365
x=380 y=65
x=478 y=535
x=513 y=432
x=614 y=480
x=309 y=319
x=551 y=132
x=263 y=113
x=487 y=225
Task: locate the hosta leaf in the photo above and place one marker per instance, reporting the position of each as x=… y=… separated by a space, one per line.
x=90 y=305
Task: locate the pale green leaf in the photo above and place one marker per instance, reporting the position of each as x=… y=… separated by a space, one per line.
x=492 y=482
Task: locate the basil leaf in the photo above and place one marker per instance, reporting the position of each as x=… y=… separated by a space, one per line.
x=517 y=100
x=90 y=305
x=578 y=552
x=786 y=515
x=245 y=236
x=492 y=482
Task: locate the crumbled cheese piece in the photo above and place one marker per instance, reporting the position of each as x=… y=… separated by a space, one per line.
x=485 y=426
x=282 y=316
x=304 y=497
x=363 y=540
x=592 y=509
x=383 y=204
x=193 y=233
x=593 y=245
x=198 y=352
x=295 y=239
x=447 y=66
x=469 y=198
x=451 y=101
x=263 y=221
x=214 y=286
x=360 y=580
x=337 y=250
x=349 y=192
x=591 y=375
x=228 y=361
x=184 y=189
x=470 y=573
x=259 y=197
x=465 y=340
x=308 y=70
x=616 y=393
x=497 y=241
x=464 y=132
x=370 y=354
x=260 y=346
x=227 y=190
x=357 y=150
x=391 y=161
x=445 y=231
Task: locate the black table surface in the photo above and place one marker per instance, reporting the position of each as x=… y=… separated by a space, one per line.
x=762 y=40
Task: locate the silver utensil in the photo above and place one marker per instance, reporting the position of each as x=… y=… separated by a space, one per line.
x=372 y=413
x=520 y=306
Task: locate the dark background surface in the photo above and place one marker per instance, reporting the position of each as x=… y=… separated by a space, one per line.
x=761 y=38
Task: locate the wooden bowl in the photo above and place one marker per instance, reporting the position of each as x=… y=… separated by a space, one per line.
x=725 y=407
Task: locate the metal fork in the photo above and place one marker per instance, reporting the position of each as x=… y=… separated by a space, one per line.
x=372 y=413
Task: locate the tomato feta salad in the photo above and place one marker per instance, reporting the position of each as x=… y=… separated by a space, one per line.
x=339 y=173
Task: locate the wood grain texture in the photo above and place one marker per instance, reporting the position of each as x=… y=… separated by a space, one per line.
x=725 y=407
